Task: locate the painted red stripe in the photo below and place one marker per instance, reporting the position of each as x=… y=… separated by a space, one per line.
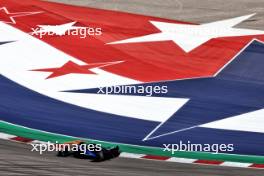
x=257 y=165
x=21 y=139
x=213 y=162
x=168 y=60
x=153 y=157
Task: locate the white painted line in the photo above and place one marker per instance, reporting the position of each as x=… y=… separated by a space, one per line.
x=131 y=155
x=235 y=164
x=181 y=160
x=6 y=136
x=39 y=142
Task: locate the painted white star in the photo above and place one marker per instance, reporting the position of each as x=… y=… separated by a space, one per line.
x=57 y=29
x=189 y=37
x=11 y=16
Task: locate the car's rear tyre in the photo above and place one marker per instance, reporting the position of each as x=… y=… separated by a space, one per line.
x=63 y=153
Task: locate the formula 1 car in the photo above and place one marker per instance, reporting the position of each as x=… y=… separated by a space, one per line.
x=82 y=150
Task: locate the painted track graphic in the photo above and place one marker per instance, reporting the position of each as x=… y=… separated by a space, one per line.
x=33 y=109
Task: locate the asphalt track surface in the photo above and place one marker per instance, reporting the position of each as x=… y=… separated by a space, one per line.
x=194 y=11
x=16 y=159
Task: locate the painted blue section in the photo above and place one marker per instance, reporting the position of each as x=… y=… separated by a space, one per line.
x=22 y=106
x=238 y=89
x=89 y=153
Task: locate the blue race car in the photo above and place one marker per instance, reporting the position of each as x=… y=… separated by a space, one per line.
x=93 y=152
